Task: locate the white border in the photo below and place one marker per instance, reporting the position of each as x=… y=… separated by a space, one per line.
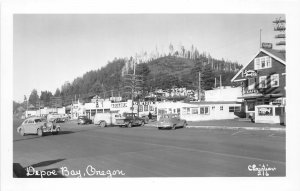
x=289 y=7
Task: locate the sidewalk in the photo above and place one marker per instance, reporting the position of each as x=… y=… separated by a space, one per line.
x=231 y=124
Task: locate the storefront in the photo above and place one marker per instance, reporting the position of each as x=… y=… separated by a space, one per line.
x=213 y=110
x=263 y=81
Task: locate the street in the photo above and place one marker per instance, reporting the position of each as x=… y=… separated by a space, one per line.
x=91 y=151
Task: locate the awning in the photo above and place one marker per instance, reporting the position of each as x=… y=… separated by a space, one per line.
x=261 y=96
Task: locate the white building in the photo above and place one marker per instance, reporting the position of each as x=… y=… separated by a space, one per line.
x=225 y=93
x=197 y=111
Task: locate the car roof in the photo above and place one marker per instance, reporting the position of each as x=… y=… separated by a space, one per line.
x=34 y=118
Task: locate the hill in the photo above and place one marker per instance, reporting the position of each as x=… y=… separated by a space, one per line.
x=163 y=72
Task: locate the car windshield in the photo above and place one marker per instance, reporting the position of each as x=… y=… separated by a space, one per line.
x=39 y=120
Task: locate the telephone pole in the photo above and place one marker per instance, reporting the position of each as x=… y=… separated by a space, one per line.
x=199 y=88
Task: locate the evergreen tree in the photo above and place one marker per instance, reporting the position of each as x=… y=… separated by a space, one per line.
x=207 y=78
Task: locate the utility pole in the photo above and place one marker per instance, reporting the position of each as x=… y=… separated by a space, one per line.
x=215 y=82
x=260 y=38
x=199 y=88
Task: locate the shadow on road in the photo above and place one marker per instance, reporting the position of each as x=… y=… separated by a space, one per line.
x=46 y=134
x=27 y=172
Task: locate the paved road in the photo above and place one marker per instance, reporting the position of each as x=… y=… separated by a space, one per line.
x=91 y=151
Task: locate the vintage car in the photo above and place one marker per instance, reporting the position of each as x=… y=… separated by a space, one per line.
x=82 y=120
x=39 y=126
x=171 y=121
x=130 y=120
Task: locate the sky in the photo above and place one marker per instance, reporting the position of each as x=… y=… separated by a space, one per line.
x=52 y=49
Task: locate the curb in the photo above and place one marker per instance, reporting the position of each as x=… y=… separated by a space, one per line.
x=235 y=128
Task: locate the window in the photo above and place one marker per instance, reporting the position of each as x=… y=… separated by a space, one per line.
x=265 y=111
x=234 y=108
x=221 y=108
x=140 y=108
x=145 y=107
x=262 y=62
x=195 y=111
x=263 y=82
x=151 y=108
x=204 y=110
x=275 y=80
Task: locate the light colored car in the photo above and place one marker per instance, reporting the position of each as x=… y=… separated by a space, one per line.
x=39 y=126
x=171 y=121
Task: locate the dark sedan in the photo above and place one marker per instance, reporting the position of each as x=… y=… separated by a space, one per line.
x=82 y=120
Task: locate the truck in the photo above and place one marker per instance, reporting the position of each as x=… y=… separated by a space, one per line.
x=105 y=119
x=129 y=120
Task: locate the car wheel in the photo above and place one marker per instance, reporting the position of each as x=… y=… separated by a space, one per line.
x=56 y=132
x=40 y=132
x=174 y=127
x=159 y=128
x=22 y=132
x=129 y=125
x=102 y=124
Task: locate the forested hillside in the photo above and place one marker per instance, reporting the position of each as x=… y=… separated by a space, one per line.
x=163 y=71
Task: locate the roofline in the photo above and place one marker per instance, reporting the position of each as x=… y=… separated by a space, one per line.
x=260 y=50
x=272 y=55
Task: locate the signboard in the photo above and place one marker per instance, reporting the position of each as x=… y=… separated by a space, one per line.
x=119 y=105
x=265 y=111
x=249 y=73
x=267 y=45
x=252 y=91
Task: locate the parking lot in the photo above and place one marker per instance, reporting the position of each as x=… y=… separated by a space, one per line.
x=91 y=151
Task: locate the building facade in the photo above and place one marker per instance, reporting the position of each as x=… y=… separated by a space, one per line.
x=263 y=80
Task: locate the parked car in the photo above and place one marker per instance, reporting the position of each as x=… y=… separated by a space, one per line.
x=130 y=120
x=171 y=121
x=39 y=126
x=104 y=119
x=82 y=120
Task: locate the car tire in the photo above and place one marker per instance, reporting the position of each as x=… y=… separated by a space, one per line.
x=56 y=132
x=129 y=125
x=159 y=128
x=40 y=132
x=174 y=127
x=102 y=124
x=22 y=132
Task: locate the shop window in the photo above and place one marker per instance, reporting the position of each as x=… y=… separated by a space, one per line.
x=178 y=110
x=265 y=111
x=188 y=111
x=221 y=108
x=234 y=108
x=151 y=108
x=140 y=108
x=263 y=82
x=204 y=110
x=106 y=110
x=93 y=112
x=275 y=80
x=145 y=107
x=195 y=111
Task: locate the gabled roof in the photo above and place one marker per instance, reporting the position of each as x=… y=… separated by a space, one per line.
x=279 y=56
